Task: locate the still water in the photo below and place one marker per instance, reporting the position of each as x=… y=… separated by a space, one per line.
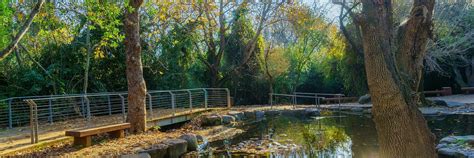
x=335 y=135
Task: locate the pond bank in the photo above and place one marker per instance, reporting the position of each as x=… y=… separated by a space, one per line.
x=232 y=127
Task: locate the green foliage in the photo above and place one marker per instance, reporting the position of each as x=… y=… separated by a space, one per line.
x=245 y=82
x=6 y=13
x=180 y=42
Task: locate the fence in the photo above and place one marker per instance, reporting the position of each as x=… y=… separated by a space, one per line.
x=15 y=111
x=302 y=98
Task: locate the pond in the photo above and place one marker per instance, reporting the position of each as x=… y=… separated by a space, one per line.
x=333 y=135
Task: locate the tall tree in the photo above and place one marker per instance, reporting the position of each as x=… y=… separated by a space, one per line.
x=394 y=62
x=136 y=83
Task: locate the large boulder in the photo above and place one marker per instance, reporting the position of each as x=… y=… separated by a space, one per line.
x=456 y=146
x=157 y=151
x=211 y=120
x=259 y=114
x=192 y=141
x=313 y=112
x=176 y=147
x=249 y=114
x=238 y=115
x=272 y=113
x=140 y=155
x=365 y=99
x=227 y=119
x=439 y=103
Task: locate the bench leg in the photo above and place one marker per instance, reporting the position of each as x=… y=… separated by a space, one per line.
x=117 y=134
x=83 y=141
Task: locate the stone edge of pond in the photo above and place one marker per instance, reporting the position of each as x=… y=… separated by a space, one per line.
x=174 y=148
x=456 y=146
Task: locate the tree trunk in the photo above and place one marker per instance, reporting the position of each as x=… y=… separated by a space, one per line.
x=401 y=128
x=136 y=83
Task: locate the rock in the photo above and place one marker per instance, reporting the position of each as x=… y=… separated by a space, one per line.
x=364 y=99
x=297 y=112
x=192 y=141
x=140 y=155
x=448 y=140
x=447 y=152
x=202 y=141
x=313 y=112
x=272 y=113
x=200 y=138
x=454 y=104
x=157 y=151
x=439 y=146
x=249 y=114
x=429 y=111
x=456 y=146
x=367 y=111
x=176 y=147
x=357 y=109
x=211 y=120
x=238 y=115
x=227 y=119
x=259 y=114
x=439 y=103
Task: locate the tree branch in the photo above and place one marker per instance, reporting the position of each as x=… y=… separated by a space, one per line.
x=22 y=31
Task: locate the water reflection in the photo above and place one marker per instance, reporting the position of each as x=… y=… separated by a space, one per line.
x=333 y=135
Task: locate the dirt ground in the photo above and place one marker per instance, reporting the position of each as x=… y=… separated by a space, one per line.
x=102 y=146
x=20 y=136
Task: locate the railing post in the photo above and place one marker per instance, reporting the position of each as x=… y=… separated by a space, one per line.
x=50 y=109
x=10 y=114
x=109 y=104
x=33 y=121
x=228 y=98
x=205 y=98
x=82 y=107
x=190 y=100
x=271 y=100
x=173 y=103
x=88 y=108
x=151 y=105
x=124 y=116
x=294 y=101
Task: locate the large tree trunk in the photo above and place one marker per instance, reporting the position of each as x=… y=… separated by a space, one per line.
x=402 y=130
x=136 y=83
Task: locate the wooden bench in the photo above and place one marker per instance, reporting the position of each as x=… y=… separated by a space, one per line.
x=83 y=136
x=467 y=90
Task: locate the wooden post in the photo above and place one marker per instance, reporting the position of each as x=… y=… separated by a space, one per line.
x=31 y=123
x=228 y=98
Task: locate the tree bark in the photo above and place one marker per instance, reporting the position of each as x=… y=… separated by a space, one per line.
x=8 y=50
x=136 y=83
x=401 y=128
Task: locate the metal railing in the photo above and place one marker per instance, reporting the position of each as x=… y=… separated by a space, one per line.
x=15 y=111
x=292 y=99
x=302 y=98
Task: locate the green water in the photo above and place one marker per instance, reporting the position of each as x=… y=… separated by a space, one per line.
x=337 y=135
